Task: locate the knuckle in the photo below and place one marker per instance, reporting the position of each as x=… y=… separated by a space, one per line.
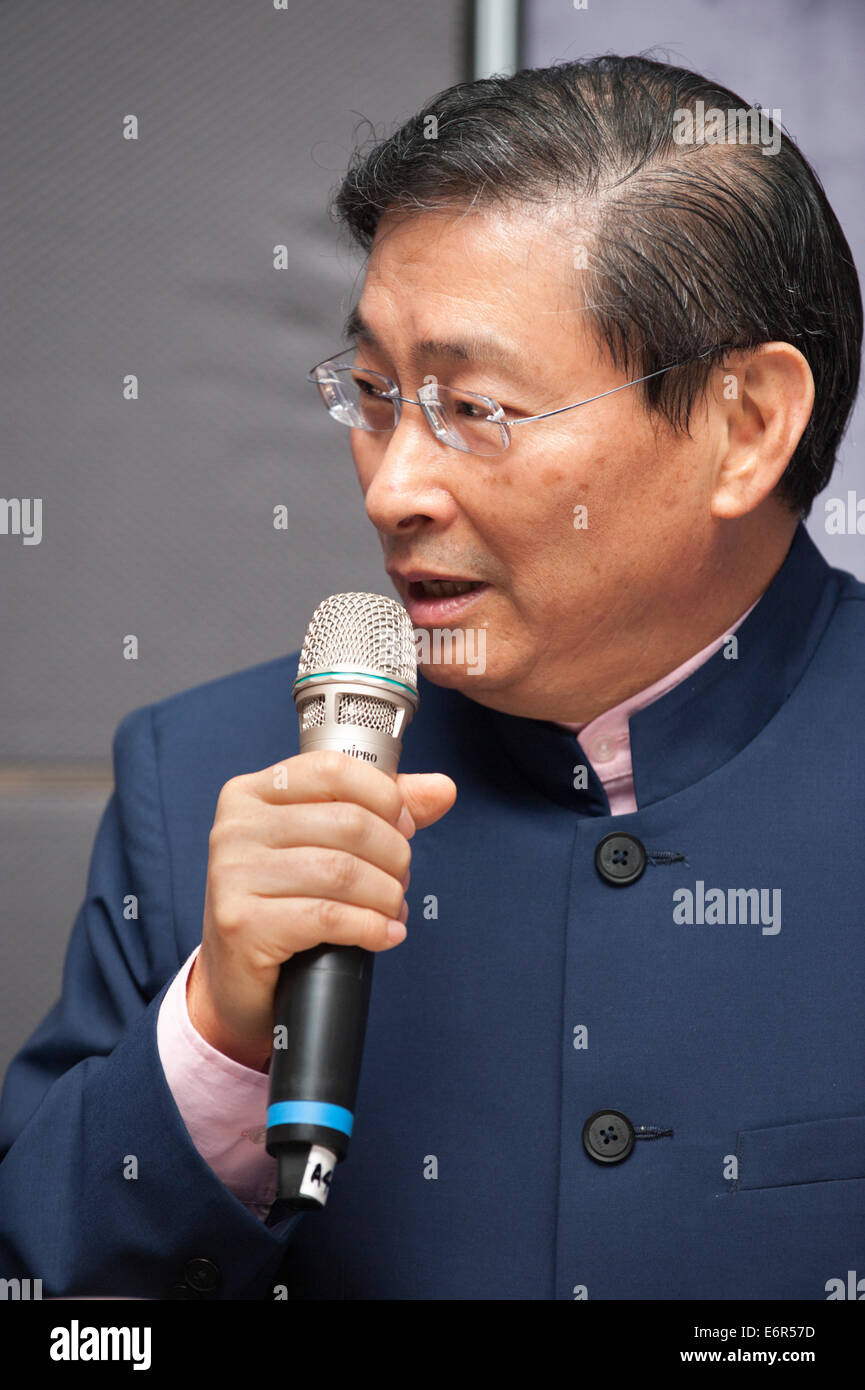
x=330 y=916
x=329 y=765
x=223 y=833
x=230 y=791
x=229 y=914
x=350 y=821
x=341 y=870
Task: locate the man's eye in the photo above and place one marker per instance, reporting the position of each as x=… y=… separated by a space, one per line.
x=473 y=410
x=368 y=388
x=476 y=410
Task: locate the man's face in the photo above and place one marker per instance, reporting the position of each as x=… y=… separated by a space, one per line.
x=589 y=532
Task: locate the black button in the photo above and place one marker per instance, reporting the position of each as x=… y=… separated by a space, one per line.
x=201 y=1274
x=608 y=1136
x=181 y=1291
x=620 y=859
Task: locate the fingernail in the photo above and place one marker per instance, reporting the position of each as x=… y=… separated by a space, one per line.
x=403 y=916
x=405 y=825
x=396 y=931
x=407 y=880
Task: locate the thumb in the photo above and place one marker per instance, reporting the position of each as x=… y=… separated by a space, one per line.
x=427 y=795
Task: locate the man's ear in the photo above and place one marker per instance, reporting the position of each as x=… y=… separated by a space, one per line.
x=765 y=397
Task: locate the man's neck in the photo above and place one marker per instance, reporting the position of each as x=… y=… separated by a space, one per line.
x=623 y=667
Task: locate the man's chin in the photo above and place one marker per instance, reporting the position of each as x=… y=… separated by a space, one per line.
x=469 y=679
x=455 y=657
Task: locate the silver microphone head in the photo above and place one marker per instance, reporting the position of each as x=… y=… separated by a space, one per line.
x=360 y=632
x=356 y=685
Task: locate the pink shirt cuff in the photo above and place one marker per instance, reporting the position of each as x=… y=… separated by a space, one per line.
x=222 y=1103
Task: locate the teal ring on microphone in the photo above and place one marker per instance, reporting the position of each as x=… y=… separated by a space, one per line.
x=356 y=675
x=310 y=1112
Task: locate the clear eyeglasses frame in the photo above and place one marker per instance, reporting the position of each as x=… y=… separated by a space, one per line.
x=364 y=399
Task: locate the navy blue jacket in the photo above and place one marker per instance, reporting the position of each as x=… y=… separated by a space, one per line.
x=531 y=993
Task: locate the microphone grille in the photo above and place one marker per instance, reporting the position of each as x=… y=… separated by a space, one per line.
x=363 y=631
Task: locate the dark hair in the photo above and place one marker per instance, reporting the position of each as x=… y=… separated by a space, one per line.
x=692 y=245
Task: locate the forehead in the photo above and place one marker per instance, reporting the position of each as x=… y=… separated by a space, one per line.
x=442 y=276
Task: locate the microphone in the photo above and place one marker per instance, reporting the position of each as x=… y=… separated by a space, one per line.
x=356 y=692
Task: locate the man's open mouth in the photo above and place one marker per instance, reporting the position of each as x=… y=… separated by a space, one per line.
x=442 y=588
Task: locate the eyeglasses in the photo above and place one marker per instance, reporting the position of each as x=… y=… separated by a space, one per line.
x=366 y=400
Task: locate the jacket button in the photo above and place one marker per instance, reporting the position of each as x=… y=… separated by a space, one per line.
x=201 y=1274
x=608 y=1136
x=181 y=1291
x=620 y=859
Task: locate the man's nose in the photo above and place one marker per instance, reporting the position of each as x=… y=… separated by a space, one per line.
x=410 y=476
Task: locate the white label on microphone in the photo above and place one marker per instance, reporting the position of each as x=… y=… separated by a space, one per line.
x=319 y=1171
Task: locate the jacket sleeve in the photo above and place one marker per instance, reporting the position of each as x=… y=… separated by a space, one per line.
x=101 y=1189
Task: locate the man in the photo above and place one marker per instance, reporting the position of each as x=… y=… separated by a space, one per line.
x=599 y=375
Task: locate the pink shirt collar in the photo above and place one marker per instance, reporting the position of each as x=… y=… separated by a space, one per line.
x=605 y=740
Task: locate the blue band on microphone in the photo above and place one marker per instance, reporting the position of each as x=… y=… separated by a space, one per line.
x=310 y=1112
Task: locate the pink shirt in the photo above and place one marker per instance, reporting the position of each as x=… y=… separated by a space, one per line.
x=224 y=1104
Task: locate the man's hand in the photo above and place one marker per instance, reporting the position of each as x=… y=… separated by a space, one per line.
x=313 y=849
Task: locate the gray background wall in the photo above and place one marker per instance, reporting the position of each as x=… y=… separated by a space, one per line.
x=155 y=257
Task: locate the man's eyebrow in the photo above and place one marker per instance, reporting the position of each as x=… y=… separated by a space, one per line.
x=477 y=347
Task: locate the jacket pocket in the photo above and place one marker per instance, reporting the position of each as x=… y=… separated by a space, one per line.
x=814 y=1151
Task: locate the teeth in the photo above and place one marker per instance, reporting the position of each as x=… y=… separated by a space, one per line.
x=445 y=588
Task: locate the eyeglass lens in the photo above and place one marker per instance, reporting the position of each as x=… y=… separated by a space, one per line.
x=359 y=399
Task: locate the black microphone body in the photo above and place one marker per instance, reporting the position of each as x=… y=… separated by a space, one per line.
x=322 y=1002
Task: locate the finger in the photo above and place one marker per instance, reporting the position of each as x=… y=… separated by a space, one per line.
x=427 y=795
x=326 y=775
x=332 y=825
x=311 y=921
x=310 y=872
